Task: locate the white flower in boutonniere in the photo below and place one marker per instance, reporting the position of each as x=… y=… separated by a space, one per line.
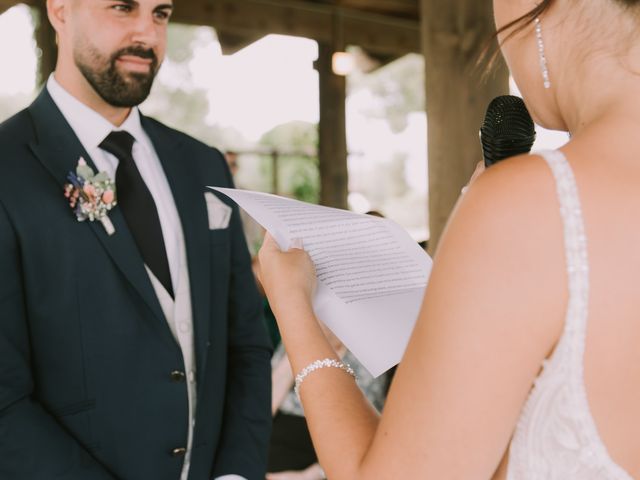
x=91 y=196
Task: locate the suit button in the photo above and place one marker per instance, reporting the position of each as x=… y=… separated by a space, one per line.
x=178 y=452
x=177 y=376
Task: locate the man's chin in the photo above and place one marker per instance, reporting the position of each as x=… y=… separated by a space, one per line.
x=140 y=83
x=129 y=95
x=132 y=77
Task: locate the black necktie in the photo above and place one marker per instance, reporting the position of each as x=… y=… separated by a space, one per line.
x=138 y=207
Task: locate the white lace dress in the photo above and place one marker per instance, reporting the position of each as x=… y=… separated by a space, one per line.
x=556 y=437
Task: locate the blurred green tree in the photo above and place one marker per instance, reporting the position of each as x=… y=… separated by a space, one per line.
x=298 y=174
x=398 y=87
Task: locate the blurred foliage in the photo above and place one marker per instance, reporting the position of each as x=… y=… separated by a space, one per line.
x=176 y=101
x=297 y=135
x=181 y=39
x=399 y=87
x=298 y=173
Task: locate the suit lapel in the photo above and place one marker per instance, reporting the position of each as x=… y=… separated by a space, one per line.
x=188 y=195
x=59 y=149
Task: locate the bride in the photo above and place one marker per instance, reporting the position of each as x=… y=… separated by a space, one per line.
x=525 y=359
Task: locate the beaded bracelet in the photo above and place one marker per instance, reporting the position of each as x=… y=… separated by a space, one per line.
x=317 y=365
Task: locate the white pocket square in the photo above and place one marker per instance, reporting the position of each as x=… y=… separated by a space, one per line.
x=219 y=213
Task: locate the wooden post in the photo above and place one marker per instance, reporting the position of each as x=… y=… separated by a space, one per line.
x=45 y=37
x=332 y=148
x=454 y=34
x=275 y=172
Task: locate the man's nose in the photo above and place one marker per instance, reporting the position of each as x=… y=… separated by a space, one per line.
x=146 y=31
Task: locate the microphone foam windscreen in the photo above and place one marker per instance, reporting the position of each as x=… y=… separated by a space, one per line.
x=507 y=129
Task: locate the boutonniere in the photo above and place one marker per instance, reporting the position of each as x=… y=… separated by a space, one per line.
x=91 y=195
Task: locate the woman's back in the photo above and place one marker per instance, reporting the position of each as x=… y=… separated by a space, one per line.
x=609 y=175
x=556 y=435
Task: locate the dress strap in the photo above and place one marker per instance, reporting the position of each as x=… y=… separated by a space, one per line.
x=569 y=355
x=575 y=243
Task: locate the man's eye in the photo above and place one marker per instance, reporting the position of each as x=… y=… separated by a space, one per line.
x=162 y=15
x=122 y=7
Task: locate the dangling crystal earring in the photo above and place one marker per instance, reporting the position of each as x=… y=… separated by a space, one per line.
x=543 y=58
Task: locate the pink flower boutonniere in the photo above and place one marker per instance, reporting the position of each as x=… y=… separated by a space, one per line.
x=91 y=196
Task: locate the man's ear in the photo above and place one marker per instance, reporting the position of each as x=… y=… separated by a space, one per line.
x=56 y=13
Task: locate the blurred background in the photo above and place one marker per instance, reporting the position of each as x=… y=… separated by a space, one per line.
x=334 y=112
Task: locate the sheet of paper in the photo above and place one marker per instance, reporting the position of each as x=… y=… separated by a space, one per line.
x=371 y=273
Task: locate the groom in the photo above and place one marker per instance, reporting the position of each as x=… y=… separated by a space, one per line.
x=131 y=342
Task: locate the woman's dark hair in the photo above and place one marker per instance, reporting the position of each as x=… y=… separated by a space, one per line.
x=487 y=57
x=522 y=22
x=526 y=19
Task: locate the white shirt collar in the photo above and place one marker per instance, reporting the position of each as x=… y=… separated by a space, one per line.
x=91 y=127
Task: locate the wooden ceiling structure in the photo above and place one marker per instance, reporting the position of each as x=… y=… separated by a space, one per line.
x=407 y=9
x=385 y=27
x=450 y=33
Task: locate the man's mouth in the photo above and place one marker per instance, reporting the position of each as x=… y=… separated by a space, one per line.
x=134 y=63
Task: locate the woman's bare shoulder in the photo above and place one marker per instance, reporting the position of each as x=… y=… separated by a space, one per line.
x=515 y=185
x=504 y=244
x=513 y=200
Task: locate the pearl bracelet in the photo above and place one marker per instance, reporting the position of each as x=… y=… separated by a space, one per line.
x=317 y=365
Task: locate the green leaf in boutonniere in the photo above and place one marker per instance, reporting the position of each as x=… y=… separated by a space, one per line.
x=84 y=171
x=101 y=177
x=91 y=196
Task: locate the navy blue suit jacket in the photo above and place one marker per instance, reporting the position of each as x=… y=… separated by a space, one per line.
x=86 y=355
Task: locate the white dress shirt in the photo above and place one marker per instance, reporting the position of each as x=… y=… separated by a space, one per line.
x=91 y=128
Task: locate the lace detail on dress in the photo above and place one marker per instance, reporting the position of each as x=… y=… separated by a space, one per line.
x=556 y=437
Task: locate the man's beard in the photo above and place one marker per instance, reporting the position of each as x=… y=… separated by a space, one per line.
x=116 y=88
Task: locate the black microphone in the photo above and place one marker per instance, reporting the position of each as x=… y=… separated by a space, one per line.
x=507 y=129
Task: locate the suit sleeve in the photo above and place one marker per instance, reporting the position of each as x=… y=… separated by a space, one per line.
x=247 y=417
x=33 y=445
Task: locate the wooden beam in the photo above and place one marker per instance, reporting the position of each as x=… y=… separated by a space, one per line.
x=455 y=32
x=256 y=18
x=231 y=43
x=392 y=38
x=397 y=8
x=381 y=33
x=332 y=146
